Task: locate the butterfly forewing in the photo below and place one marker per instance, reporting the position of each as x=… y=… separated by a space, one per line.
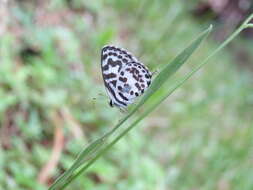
x=125 y=78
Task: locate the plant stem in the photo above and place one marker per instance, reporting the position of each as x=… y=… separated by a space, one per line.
x=244 y=25
x=249 y=26
x=225 y=43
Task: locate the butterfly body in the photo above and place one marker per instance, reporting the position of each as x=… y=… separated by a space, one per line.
x=125 y=78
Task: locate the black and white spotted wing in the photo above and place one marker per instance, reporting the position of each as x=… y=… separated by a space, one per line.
x=125 y=78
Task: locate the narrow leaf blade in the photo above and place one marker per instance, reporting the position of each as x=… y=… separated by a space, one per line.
x=162 y=77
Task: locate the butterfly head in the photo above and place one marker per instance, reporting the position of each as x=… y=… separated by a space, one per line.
x=110 y=103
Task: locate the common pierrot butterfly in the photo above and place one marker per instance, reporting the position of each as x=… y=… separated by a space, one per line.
x=125 y=77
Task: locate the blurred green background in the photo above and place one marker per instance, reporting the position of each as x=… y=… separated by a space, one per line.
x=53 y=102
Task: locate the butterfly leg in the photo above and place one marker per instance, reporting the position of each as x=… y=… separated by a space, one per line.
x=155 y=72
x=123 y=110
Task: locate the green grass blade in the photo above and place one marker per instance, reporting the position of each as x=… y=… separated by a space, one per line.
x=162 y=77
x=82 y=157
x=171 y=68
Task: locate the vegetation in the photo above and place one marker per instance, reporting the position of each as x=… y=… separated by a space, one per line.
x=199 y=138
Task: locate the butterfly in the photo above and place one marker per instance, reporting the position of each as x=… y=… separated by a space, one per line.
x=125 y=78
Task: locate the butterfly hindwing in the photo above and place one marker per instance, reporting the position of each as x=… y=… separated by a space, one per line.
x=125 y=78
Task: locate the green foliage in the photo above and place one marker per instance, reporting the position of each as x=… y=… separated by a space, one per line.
x=93 y=150
x=199 y=138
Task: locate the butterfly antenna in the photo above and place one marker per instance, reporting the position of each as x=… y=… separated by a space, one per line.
x=94 y=103
x=103 y=95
